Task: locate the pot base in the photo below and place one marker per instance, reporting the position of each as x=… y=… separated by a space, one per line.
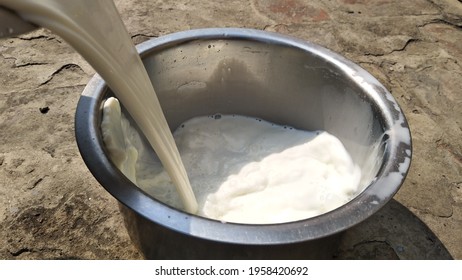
x=147 y=236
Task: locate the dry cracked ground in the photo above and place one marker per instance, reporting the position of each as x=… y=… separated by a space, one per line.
x=52 y=208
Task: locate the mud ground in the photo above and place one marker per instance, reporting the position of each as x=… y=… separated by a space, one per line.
x=52 y=208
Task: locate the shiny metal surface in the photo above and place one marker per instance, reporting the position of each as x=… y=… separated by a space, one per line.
x=270 y=76
x=11 y=24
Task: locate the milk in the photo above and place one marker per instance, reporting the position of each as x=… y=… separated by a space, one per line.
x=241 y=169
x=276 y=184
x=96 y=31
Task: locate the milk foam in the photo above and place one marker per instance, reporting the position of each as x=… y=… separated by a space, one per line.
x=241 y=169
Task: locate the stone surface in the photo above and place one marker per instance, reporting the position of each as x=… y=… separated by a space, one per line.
x=52 y=208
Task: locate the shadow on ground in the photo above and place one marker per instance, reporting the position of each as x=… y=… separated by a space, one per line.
x=392 y=233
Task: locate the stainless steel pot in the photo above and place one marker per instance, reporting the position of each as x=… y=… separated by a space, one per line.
x=269 y=76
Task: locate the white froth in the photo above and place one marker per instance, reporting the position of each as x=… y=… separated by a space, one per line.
x=246 y=170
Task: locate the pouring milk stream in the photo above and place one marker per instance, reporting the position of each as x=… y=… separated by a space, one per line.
x=96 y=31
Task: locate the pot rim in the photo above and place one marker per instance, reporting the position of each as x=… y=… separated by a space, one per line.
x=391 y=175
